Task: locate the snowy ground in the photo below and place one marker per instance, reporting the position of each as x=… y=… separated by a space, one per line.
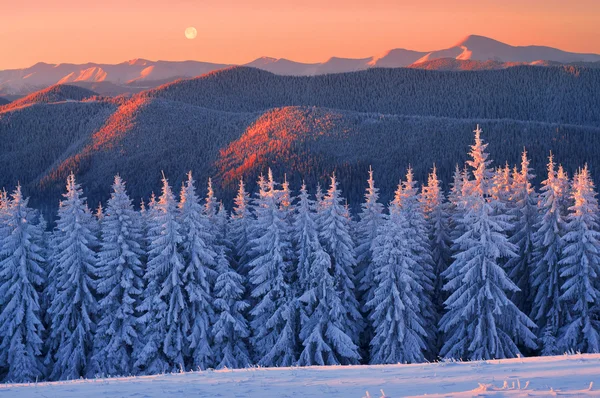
x=574 y=375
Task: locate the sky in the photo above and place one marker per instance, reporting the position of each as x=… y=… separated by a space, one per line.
x=113 y=31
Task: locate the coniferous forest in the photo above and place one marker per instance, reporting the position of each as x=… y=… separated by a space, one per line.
x=494 y=268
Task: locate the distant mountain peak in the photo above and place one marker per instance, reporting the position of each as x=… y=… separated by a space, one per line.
x=148 y=74
x=478 y=40
x=138 y=62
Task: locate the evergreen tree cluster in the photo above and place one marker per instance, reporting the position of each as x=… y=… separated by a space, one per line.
x=495 y=269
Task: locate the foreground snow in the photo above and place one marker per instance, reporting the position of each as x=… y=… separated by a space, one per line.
x=575 y=375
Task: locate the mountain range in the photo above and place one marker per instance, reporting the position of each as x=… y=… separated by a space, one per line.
x=472 y=53
x=237 y=122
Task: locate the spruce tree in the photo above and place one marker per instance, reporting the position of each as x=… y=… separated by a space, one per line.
x=274 y=335
x=409 y=204
x=548 y=310
x=73 y=306
x=396 y=303
x=119 y=284
x=231 y=329
x=503 y=184
x=435 y=210
x=481 y=322
x=21 y=279
x=580 y=267
x=334 y=233
x=524 y=215
x=199 y=256
x=211 y=204
x=323 y=315
x=165 y=330
x=371 y=218
x=241 y=228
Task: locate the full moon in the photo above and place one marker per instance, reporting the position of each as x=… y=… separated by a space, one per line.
x=191 y=32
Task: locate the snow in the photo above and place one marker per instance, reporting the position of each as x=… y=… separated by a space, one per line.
x=574 y=375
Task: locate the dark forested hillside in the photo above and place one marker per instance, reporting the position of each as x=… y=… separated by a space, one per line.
x=558 y=94
x=237 y=122
x=3 y=101
x=57 y=93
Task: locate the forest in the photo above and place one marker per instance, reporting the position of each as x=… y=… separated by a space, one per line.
x=495 y=266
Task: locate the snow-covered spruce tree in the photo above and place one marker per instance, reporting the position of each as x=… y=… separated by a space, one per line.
x=371 y=218
x=199 y=257
x=73 y=308
x=304 y=232
x=21 y=278
x=45 y=245
x=548 y=310
x=211 y=204
x=119 y=284
x=395 y=308
x=435 y=209
x=502 y=187
x=164 y=329
x=221 y=224
x=457 y=200
x=580 y=267
x=524 y=216
x=273 y=324
x=481 y=322
x=99 y=214
x=334 y=233
x=4 y=205
x=323 y=315
x=564 y=194
x=240 y=228
x=231 y=329
x=409 y=204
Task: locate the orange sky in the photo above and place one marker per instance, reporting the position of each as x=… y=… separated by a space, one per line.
x=113 y=31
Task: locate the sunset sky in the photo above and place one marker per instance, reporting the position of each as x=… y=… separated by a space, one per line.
x=112 y=31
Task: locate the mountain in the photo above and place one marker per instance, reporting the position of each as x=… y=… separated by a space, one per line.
x=560 y=95
x=139 y=74
x=53 y=94
x=42 y=75
x=480 y=48
x=236 y=122
x=4 y=101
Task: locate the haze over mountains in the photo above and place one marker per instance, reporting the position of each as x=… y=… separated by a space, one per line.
x=472 y=53
x=237 y=122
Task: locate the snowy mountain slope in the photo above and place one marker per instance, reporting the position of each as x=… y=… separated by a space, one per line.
x=239 y=121
x=472 y=48
x=575 y=375
x=482 y=48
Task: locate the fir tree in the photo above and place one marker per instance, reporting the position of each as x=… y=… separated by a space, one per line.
x=241 y=228
x=481 y=322
x=323 y=315
x=73 y=305
x=199 y=257
x=524 y=213
x=274 y=336
x=231 y=328
x=163 y=298
x=409 y=204
x=334 y=233
x=502 y=188
x=119 y=284
x=437 y=218
x=211 y=204
x=370 y=220
x=396 y=303
x=580 y=267
x=548 y=310
x=21 y=278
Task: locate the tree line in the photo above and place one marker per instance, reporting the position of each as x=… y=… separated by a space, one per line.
x=494 y=269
